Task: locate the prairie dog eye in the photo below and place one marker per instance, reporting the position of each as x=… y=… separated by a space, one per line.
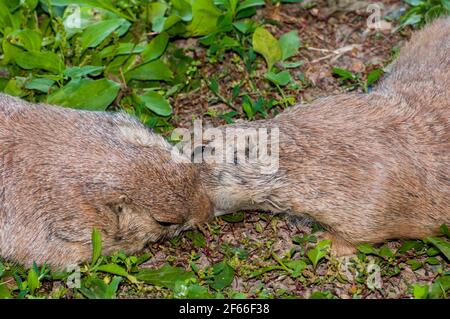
x=167 y=223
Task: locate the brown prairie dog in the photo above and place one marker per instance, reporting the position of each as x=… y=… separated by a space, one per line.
x=64 y=172
x=369 y=167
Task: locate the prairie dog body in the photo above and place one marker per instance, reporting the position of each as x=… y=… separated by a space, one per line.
x=64 y=172
x=369 y=167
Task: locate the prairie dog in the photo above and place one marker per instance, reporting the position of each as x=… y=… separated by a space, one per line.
x=369 y=167
x=64 y=172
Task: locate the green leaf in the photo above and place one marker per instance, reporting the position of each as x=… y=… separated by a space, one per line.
x=43 y=85
x=249 y=4
x=233 y=218
x=439 y=287
x=320 y=251
x=223 y=275
x=265 y=44
x=121 y=49
x=420 y=291
x=96 y=238
x=190 y=291
x=48 y=61
x=197 y=238
x=282 y=78
x=367 y=249
x=374 y=76
x=442 y=245
x=385 y=252
x=94 y=34
x=417 y=245
x=183 y=9
x=432 y=261
x=96 y=288
x=444 y=230
x=80 y=71
x=33 y=280
x=155 y=70
x=297 y=267
x=167 y=276
x=289 y=44
x=113 y=269
x=27 y=39
x=414 y=264
x=156 y=103
x=204 y=18
x=155 y=48
x=4 y=291
x=86 y=94
x=343 y=74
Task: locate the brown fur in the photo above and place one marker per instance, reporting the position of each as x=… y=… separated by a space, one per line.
x=370 y=167
x=64 y=172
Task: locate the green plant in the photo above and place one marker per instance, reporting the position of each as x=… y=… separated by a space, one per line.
x=424 y=11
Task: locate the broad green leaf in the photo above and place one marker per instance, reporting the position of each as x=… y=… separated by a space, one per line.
x=33 y=280
x=223 y=275
x=121 y=49
x=48 y=61
x=442 y=245
x=15 y=87
x=249 y=4
x=4 y=291
x=155 y=48
x=289 y=44
x=156 y=103
x=414 y=264
x=320 y=251
x=80 y=71
x=440 y=287
x=113 y=269
x=385 y=252
x=420 y=291
x=281 y=78
x=367 y=249
x=233 y=218
x=94 y=34
x=183 y=9
x=204 y=18
x=167 y=276
x=245 y=27
x=197 y=238
x=417 y=245
x=190 y=291
x=86 y=94
x=27 y=39
x=96 y=238
x=43 y=85
x=265 y=44
x=297 y=266
x=155 y=70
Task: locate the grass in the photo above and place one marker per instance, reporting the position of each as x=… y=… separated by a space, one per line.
x=135 y=52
